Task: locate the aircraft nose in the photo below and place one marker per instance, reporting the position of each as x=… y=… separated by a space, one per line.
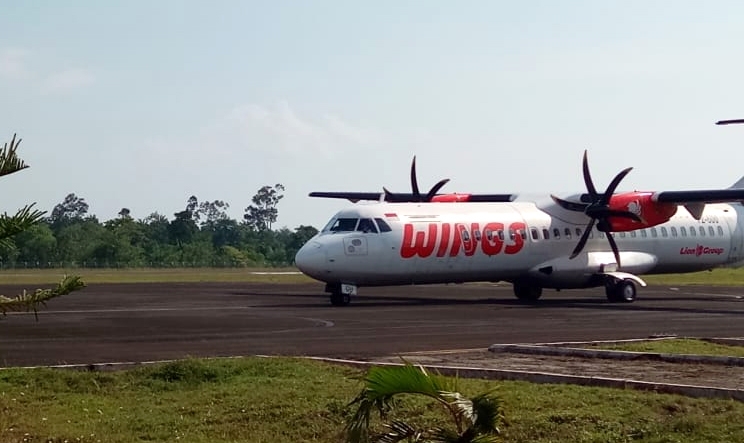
x=311 y=259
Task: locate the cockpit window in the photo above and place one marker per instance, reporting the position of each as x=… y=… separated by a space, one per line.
x=344 y=225
x=367 y=225
x=384 y=227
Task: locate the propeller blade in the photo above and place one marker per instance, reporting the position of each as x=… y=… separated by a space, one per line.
x=571 y=206
x=414 y=182
x=615 y=251
x=434 y=189
x=588 y=177
x=584 y=238
x=613 y=185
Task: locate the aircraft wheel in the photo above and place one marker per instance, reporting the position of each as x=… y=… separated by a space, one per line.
x=626 y=291
x=527 y=292
x=621 y=291
x=339 y=299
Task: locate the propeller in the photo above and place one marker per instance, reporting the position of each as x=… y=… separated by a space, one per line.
x=598 y=210
x=416 y=196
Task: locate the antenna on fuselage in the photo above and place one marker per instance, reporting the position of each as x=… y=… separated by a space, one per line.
x=730 y=122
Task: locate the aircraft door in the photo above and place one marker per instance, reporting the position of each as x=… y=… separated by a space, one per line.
x=736 y=227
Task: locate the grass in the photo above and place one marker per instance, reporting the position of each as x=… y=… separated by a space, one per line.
x=719 y=277
x=715 y=277
x=293 y=400
x=154 y=275
x=677 y=346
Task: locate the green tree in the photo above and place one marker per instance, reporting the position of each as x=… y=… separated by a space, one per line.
x=263 y=212
x=36 y=245
x=474 y=419
x=24 y=219
x=72 y=208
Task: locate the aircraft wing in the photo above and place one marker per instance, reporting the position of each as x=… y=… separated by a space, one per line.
x=695 y=201
x=700 y=196
x=399 y=197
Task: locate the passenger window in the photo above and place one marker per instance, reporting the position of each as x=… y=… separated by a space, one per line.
x=711 y=232
x=477 y=234
x=567 y=232
x=501 y=234
x=720 y=231
x=653 y=233
x=578 y=232
x=384 y=227
x=673 y=231
x=643 y=233
x=692 y=231
x=556 y=233
x=683 y=231
x=489 y=234
x=632 y=234
x=465 y=234
x=344 y=225
x=534 y=233
x=367 y=225
x=702 y=231
x=546 y=234
x=601 y=234
x=663 y=231
x=622 y=234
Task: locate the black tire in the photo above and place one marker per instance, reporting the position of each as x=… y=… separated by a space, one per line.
x=626 y=291
x=623 y=291
x=339 y=299
x=527 y=292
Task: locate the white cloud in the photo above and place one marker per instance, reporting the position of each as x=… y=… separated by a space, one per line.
x=13 y=64
x=280 y=127
x=68 y=80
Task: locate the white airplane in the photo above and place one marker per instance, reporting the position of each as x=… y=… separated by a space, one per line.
x=534 y=242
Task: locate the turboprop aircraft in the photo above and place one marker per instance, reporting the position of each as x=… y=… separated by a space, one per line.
x=580 y=240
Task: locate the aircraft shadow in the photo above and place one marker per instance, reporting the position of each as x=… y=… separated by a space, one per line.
x=600 y=303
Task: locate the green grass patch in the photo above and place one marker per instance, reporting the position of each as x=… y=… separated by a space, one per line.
x=677 y=346
x=719 y=277
x=293 y=400
x=715 y=277
x=154 y=275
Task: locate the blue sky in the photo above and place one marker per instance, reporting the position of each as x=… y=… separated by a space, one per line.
x=141 y=104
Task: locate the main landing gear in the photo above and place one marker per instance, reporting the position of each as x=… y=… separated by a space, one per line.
x=620 y=291
x=527 y=292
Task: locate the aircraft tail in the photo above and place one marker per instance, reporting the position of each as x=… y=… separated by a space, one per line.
x=739 y=184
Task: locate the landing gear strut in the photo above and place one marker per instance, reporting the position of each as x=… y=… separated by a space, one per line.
x=340 y=294
x=527 y=292
x=620 y=291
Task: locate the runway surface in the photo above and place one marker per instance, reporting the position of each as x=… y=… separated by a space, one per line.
x=144 y=322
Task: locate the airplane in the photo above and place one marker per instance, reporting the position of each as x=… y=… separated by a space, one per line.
x=534 y=242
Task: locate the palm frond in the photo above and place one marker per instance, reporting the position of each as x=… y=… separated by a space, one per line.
x=487 y=413
x=9 y=160
x=400 y=431
x=22 y=220
x=30 y=301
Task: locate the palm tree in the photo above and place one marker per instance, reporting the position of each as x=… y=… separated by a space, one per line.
x=15 y=224
x=475 y=419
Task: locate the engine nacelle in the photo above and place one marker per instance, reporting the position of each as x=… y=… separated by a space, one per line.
x=651 y=213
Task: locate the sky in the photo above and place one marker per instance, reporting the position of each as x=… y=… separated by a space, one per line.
x=141 y=104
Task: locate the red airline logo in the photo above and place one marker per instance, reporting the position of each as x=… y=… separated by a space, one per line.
x=700 y=250
x=449 y=239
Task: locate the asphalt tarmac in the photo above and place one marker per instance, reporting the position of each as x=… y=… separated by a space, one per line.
x=144 y=322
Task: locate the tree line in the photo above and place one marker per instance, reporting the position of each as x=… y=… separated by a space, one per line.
x=201 y=235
